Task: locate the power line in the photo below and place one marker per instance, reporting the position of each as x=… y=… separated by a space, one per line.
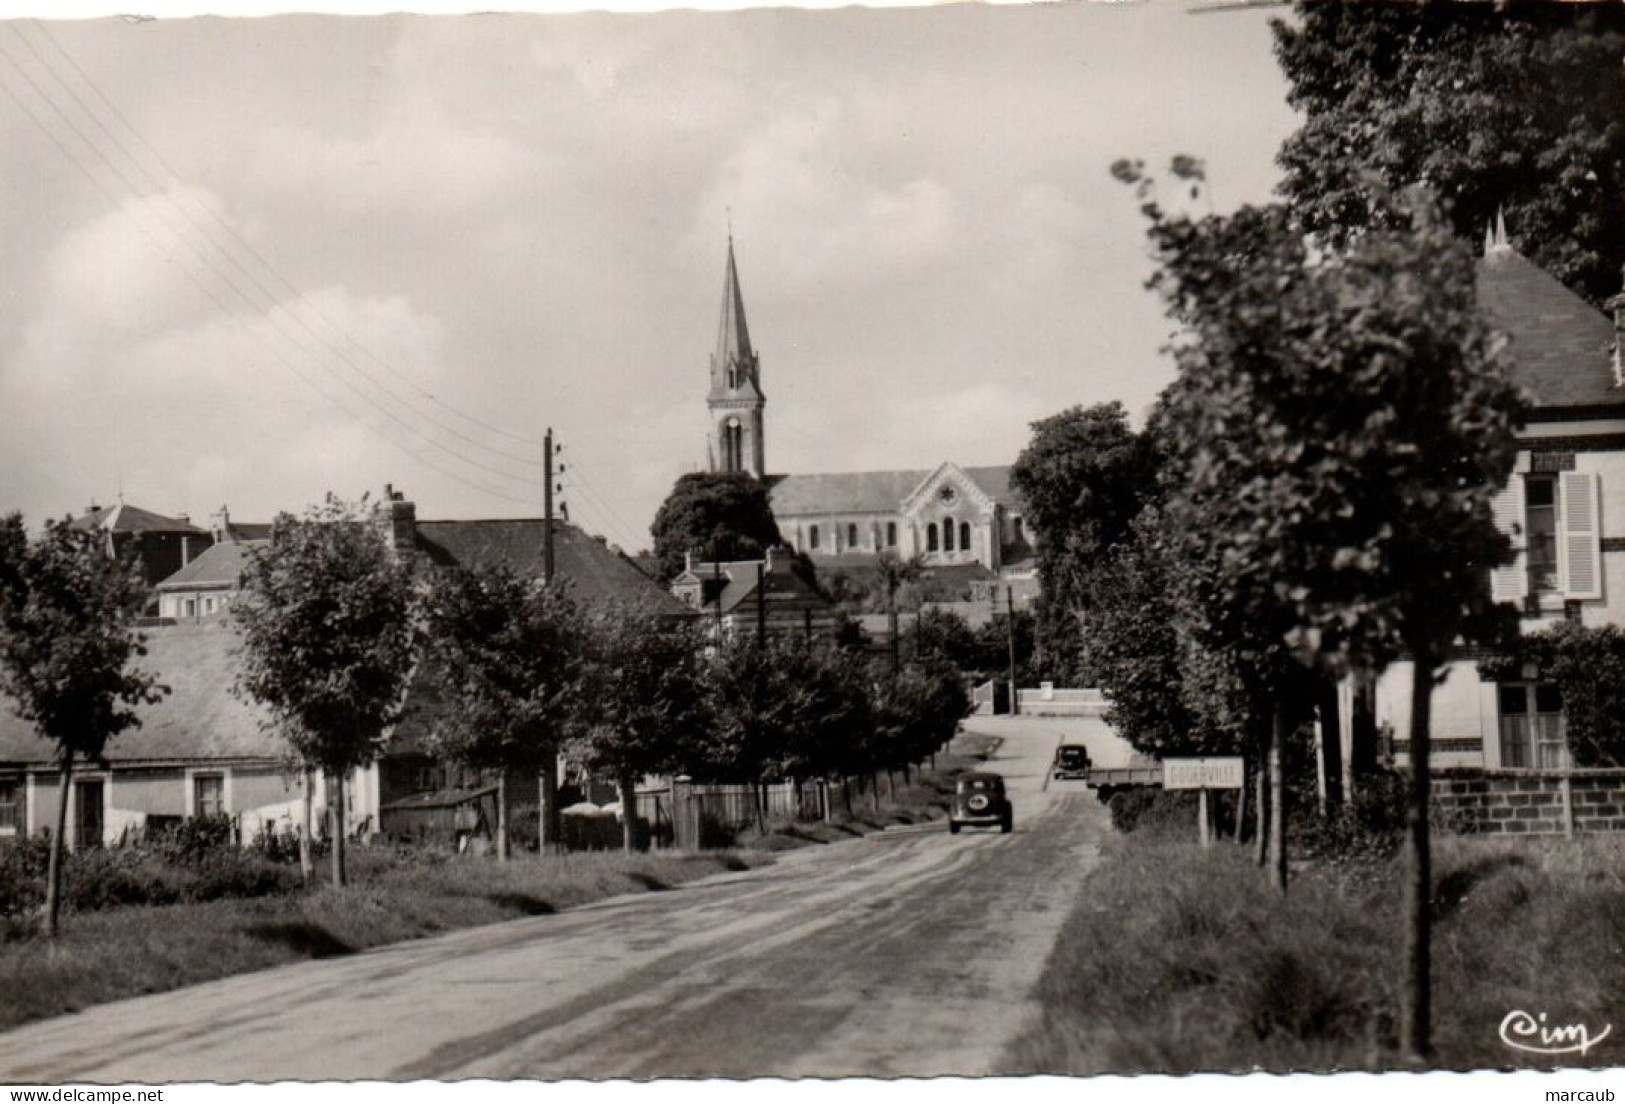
x=270 y=268
x=209 y=293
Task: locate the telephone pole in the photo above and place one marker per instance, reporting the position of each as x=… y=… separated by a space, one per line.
x=547 y=506
x=1010 y=630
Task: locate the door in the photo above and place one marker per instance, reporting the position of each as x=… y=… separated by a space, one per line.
x=87 y=822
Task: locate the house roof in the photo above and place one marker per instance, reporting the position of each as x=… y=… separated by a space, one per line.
x=219 y=565
x=870 y=492
x=199 y=719
x=595 y=572
x=783 y=584
x=131 y=519
x=1561 y=345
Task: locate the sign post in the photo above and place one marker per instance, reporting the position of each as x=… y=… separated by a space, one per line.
x=1212 y=773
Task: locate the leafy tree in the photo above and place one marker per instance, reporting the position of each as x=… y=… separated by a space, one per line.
x=1342 y=423
x=717 y=515
x=641 y=706
x=65 y=654
x=1588 y=666
x=1083 y=478
x=502 y=656
x=917 y=711
x=944 y=635
x=1514 y=106
x=326 y=614
x=892 y=573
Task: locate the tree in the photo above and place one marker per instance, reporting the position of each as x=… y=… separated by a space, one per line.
x=1343 y=423
x=944 y=635
x=1518 y=107
x=326 y=614
x=718 y=515
x=1083 y=478
x=641 y=704
x=65 y=654
x=502 y=655
x=892 y=574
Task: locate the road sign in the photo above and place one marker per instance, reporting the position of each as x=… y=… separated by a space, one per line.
x=1222 y=773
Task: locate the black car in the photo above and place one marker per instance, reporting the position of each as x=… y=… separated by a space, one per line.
x=980 y=801
x=1071 y=761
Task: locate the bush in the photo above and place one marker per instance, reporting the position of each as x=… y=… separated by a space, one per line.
x=194 y=838
x=1155 y=809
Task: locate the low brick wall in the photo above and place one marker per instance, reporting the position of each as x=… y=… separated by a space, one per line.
x=1532 y=802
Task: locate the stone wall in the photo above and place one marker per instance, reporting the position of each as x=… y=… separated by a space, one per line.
x=1531 y=802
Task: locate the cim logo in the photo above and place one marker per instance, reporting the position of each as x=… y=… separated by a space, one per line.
x=1523 y=1031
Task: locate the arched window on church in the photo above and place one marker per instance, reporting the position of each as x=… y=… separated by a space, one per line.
x=812 y=537
x=964 y=536
x=851 y=535
x=891 y=534
x=931 y=537
x=948 y=534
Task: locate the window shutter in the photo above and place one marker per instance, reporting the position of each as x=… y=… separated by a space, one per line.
x=1579 y=553
x=1510 y=583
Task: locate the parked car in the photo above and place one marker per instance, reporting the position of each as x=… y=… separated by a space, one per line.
x=980 y=801
x=1071 y=761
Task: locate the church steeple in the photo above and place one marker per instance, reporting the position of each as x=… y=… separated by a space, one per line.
x=735 y=399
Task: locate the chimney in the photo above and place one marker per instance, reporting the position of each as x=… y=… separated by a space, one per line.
x=400 y=521
x=688 y=559
x=220 y=524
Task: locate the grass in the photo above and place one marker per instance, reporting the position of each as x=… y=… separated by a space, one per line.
x=925 y=798
x=110 y=954
x=1176 y=960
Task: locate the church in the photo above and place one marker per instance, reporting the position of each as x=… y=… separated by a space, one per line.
x=947 y=515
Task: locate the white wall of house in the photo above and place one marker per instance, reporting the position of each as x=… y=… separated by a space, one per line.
x=1463 y=709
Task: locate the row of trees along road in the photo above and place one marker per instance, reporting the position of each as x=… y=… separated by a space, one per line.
x=1310 y=498
x=341 y=637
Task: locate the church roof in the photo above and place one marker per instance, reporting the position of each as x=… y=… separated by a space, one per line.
x=131 y=519
x=870 y=492
x=1561 y=345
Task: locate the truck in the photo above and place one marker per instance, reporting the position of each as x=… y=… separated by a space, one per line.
x=1110 y=781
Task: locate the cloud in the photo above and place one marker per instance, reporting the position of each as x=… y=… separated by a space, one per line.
x=833 y=222
x=420 y=159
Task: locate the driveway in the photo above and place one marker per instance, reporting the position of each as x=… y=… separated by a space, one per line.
x=912 y=952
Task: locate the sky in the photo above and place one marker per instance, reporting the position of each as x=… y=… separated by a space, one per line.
x=251 y=261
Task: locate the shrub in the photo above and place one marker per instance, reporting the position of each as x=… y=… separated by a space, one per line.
x=1154 y=809
x=190 y=841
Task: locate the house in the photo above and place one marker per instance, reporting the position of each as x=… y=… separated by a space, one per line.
x=160 y=545
x=738 y=596
x=206 y=586
x=948 y=515
x=200 y=750
x=1565 y=509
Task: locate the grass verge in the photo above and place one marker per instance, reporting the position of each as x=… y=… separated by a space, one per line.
x=1176 y=960
x=396 y=895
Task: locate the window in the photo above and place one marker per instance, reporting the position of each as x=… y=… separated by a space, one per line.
x=1533 y=732
x=1540 y=521
x=191 y=607
x=931 y=537
x=851 y=535
x=947 y=534
x=891 y=534
x=208 y=605
x=1020 y=536
x=812 y=537
x=209 y=792
x=11 y=805
x=964 y=536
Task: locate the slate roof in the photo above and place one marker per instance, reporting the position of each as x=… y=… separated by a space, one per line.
x=1561 y=345
x=132 y=519
x=869 y=492
x=595 y=572
x=216 y=566
x=199 y=719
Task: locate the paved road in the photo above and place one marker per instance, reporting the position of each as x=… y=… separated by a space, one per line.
x=912 y=952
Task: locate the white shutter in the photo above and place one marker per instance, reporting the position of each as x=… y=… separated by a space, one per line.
x=1511 y=583
x=1579 y=547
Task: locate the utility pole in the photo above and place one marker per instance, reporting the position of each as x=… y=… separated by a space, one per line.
x=547 y=506
x=1010 y=632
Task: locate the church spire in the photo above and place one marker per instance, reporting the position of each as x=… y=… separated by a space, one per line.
x=736 y=398
x=733 y=336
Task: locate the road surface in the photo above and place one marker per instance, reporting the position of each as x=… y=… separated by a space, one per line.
x=909 y=953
